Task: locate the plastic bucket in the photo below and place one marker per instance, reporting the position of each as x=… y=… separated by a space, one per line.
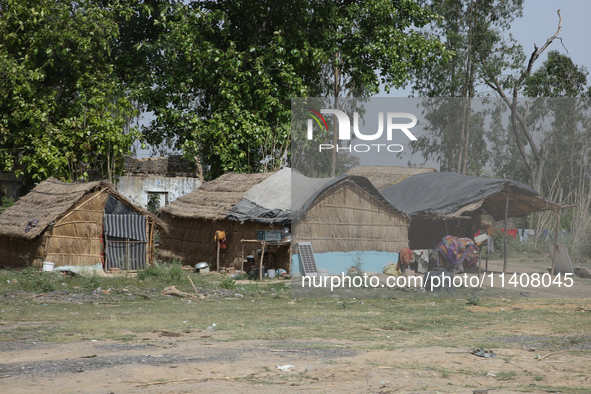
x=48 y=266
x=271 y=273
x=323 y=272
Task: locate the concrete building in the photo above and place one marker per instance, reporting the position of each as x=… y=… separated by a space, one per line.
x=160 y=179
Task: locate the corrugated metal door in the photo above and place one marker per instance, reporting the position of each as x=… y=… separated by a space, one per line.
x=125 y=242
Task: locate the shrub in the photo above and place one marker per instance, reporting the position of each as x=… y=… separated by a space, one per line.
x=6 y=203
x=167 y=273
x=91 y=282
x=228 y=283
x=37 y=281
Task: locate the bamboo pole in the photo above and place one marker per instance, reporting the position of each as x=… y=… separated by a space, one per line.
x=506 y=229
x=261 y=263
x=218 y=256
x=556 y=234
x=78 y=207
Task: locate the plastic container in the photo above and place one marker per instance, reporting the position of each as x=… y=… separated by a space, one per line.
x=271 y=273
x=270 y=236
x=48 y=266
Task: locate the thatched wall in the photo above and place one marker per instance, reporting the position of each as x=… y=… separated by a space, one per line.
x=15 y=252
x=75 y=239
x=346 y=218
x=192 y=241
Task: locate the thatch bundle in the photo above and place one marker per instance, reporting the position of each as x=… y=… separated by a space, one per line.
x=60 y=222
x=384 y=176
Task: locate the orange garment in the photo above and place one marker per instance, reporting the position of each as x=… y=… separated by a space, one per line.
x=220 y=236
x=404 y=259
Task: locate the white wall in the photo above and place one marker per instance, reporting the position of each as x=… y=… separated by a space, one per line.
x=136 y=188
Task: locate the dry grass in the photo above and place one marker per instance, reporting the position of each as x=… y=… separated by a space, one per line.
x=267 y=312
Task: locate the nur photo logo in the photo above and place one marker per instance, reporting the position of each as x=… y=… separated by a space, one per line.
x=394 y=121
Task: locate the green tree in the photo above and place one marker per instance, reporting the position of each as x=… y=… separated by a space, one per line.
x=474 y=30
x=506 y=72
x=229 y=69
x=62 y=112
x=228 y=106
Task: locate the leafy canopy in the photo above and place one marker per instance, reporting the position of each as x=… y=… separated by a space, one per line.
x=62 y=111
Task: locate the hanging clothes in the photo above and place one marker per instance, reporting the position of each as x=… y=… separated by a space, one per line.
x=421 y=258
x=404 y=259
x=458 y=250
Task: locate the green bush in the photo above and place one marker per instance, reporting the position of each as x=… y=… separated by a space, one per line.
x=37 y=281
x=91 y=282
x=6 y=203
x=167 y=273
x=228 y=283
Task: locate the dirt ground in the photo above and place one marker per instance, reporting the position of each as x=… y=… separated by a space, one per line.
x=530 y=357
x=169 y=362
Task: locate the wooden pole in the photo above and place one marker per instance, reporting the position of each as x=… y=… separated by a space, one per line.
x=486 y=265
x=480 y=262
x=261 y=263
x=506 y=229
x=556 y=234
x=242 y=256
x=127 y=252
x=218 y=257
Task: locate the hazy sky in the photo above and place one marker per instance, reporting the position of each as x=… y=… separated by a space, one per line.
x=540 y=22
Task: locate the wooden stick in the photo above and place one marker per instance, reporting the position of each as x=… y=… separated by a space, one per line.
x=320 y=388
x=192 y=284
x=75 y=221
x=261 y=263
x=506 y=229
x=68 y=236
x=78 y=207
x=218 y=257
x=76 y=254
x=182 y=380
x=551 y=354
x=556 y=236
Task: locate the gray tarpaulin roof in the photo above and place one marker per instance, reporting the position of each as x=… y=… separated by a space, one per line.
x=285 y=190
x=287 y=194
x=445 y=194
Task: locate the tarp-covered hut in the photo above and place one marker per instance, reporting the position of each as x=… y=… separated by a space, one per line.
x=346 y=214
x=445 y=203
x=385 y=176
x=77 y=224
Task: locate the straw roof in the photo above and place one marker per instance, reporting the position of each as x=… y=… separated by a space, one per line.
x=49 y=201
x=385 y=176
x=213 y=200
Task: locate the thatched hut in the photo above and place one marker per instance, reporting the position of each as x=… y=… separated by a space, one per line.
x=345 y=214
x=195 y=217
x=77 y=224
